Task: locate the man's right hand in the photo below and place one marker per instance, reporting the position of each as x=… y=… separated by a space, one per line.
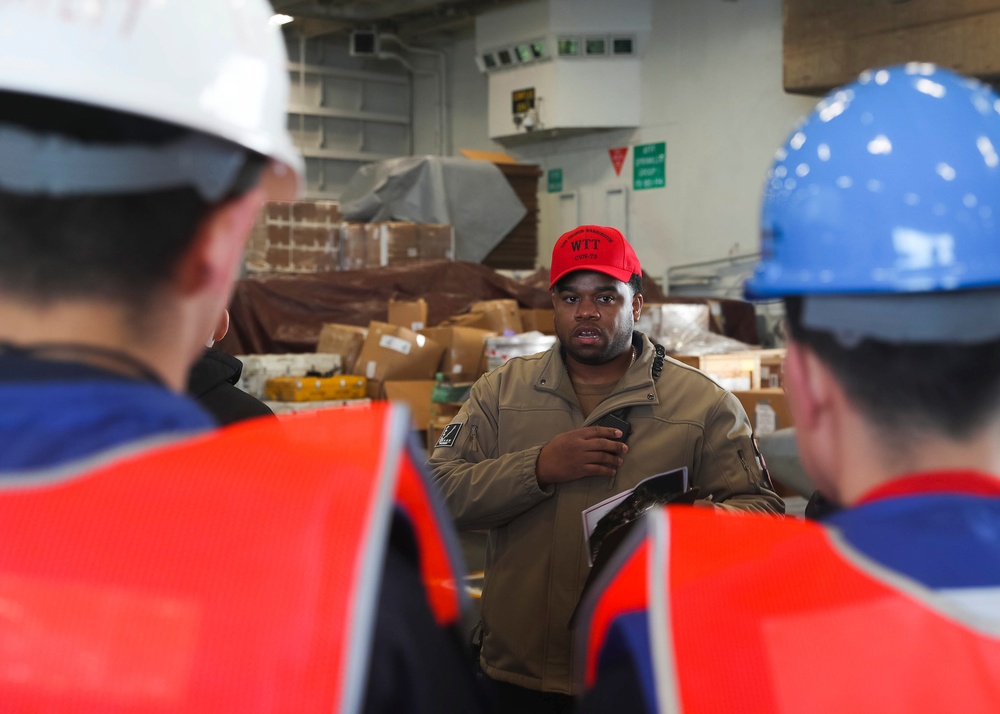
x=590 y=451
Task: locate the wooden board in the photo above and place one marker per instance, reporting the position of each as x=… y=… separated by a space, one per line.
x=827 y=44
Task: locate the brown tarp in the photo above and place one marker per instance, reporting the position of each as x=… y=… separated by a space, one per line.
x=284 y=313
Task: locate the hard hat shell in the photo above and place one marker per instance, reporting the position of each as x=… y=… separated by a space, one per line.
x=215 y=66
x=891 y=185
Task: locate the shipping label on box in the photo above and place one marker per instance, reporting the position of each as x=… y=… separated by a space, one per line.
x=396 y=352
x=397 y=344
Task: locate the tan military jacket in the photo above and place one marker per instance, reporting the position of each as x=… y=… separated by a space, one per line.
x=536 y=562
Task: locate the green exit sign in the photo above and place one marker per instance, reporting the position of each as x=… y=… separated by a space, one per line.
x=555 y=180
x=649 y=166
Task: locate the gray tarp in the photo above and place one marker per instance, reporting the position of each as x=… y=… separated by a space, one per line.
x=473 y=196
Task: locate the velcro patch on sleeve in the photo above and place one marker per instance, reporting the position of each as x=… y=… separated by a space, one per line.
x=449 y=434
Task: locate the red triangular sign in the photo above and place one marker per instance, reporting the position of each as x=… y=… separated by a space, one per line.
x=618 y=158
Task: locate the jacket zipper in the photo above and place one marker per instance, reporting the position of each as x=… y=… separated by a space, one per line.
x=746 y=466
x=474 y=438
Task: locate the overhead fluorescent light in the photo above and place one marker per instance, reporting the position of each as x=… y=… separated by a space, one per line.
x=623 y=45
x=596 y=45
x=486 y=61
x=568 y=46
x=279 y=19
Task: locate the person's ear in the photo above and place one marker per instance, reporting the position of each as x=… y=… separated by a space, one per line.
x=212 y=260
x=809 y=385
x=222 y=328
x=636 y=306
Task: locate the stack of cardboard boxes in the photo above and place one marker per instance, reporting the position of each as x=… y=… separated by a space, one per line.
x=754 y=376
x=310 y=237
x=403 y=359
x=431 y=368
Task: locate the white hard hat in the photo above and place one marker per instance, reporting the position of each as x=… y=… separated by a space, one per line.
x=215 y=66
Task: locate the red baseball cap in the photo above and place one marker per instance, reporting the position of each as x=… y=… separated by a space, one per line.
x=597 y=248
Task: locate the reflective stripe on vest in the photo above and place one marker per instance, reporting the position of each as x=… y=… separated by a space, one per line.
x=212 y=575
x=769 y=615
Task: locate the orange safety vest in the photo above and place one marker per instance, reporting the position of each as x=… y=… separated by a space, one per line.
x=756 y=614
x=235 y=572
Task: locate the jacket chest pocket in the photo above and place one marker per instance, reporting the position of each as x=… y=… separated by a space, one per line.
x=523 y=429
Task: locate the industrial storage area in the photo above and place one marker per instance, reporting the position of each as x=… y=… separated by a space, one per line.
x=499 y=356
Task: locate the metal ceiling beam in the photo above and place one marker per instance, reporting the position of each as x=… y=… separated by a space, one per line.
x=361 y=12
x=409 y=18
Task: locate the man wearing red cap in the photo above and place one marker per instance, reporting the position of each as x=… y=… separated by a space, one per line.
x=526 y=455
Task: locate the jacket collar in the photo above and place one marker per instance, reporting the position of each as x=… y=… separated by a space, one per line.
x=637 y=384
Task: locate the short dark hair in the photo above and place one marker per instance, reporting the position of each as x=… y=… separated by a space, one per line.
x=635 y=282
x=951 y=389
x=117 y=247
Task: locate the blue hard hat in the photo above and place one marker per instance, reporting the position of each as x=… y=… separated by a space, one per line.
x=891 y=185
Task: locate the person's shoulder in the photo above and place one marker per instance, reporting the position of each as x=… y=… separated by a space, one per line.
x=211 y=369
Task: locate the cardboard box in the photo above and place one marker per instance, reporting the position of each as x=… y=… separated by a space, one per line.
x=538 y=320
x=416 y=394
x=436 y=241
x=295 y=237
x=735 y=371
x=397 y=243
x=278 y=256
x=278 y=211
x=360 y=246
x=408 y=313
x=315 y=389
x=463 y=350
x=318 y=259
x=756 y=403
x=500 y=316
x=772 y=368
x=257 y=369
x=343 y=340
x=392 y=352
x=328 y=212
